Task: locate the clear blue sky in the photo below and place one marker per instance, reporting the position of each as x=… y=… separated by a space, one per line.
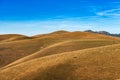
x=32 y=17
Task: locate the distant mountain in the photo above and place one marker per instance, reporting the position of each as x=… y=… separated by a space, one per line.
x=103 y=32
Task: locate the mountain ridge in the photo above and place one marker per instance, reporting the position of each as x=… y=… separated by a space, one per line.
x=103 y=32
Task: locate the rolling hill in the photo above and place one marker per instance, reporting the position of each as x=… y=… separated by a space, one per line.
x=100 y=63
x=66 y=46
x=60 y=55
x=75 y=35
x=26 y=47
x=12 y=37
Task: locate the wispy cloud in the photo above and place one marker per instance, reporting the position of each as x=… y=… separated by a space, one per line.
x=110 y=13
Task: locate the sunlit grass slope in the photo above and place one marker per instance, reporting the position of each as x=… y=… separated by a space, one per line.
x=66 y=46
x=101 y=63
x=60 y=55
x=12 y=37
x=11 y=51
x=76 y=35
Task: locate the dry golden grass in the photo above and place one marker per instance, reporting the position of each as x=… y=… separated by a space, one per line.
x=11 y=51
x=57 y=32
x=66 y=46
x=76 y=35
x=60 y=55
x=100 y=63
x=12 y=37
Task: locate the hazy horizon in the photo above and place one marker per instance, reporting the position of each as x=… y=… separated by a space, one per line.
x=39 y=17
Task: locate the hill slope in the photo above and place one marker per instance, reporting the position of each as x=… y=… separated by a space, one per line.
x=66 y=46
x=60 y=55
x=90 y=64
x=11 y=51
x=12 y=37
x=76 y=35
x=26 y=47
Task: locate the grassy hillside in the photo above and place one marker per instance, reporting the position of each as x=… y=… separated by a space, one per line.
x=11 y=51
x=100 y=63
x=66 y=46
x=76 y=35
x=12 y=37
x=60 y=55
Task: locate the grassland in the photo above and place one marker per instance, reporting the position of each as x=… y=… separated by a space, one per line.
x=61 y=55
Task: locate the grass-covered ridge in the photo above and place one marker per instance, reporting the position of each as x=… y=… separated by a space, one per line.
x=60 y=55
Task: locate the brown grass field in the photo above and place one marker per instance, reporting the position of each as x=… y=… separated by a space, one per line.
x=60 y=55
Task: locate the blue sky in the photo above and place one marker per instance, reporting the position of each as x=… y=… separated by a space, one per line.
x=32 y=17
